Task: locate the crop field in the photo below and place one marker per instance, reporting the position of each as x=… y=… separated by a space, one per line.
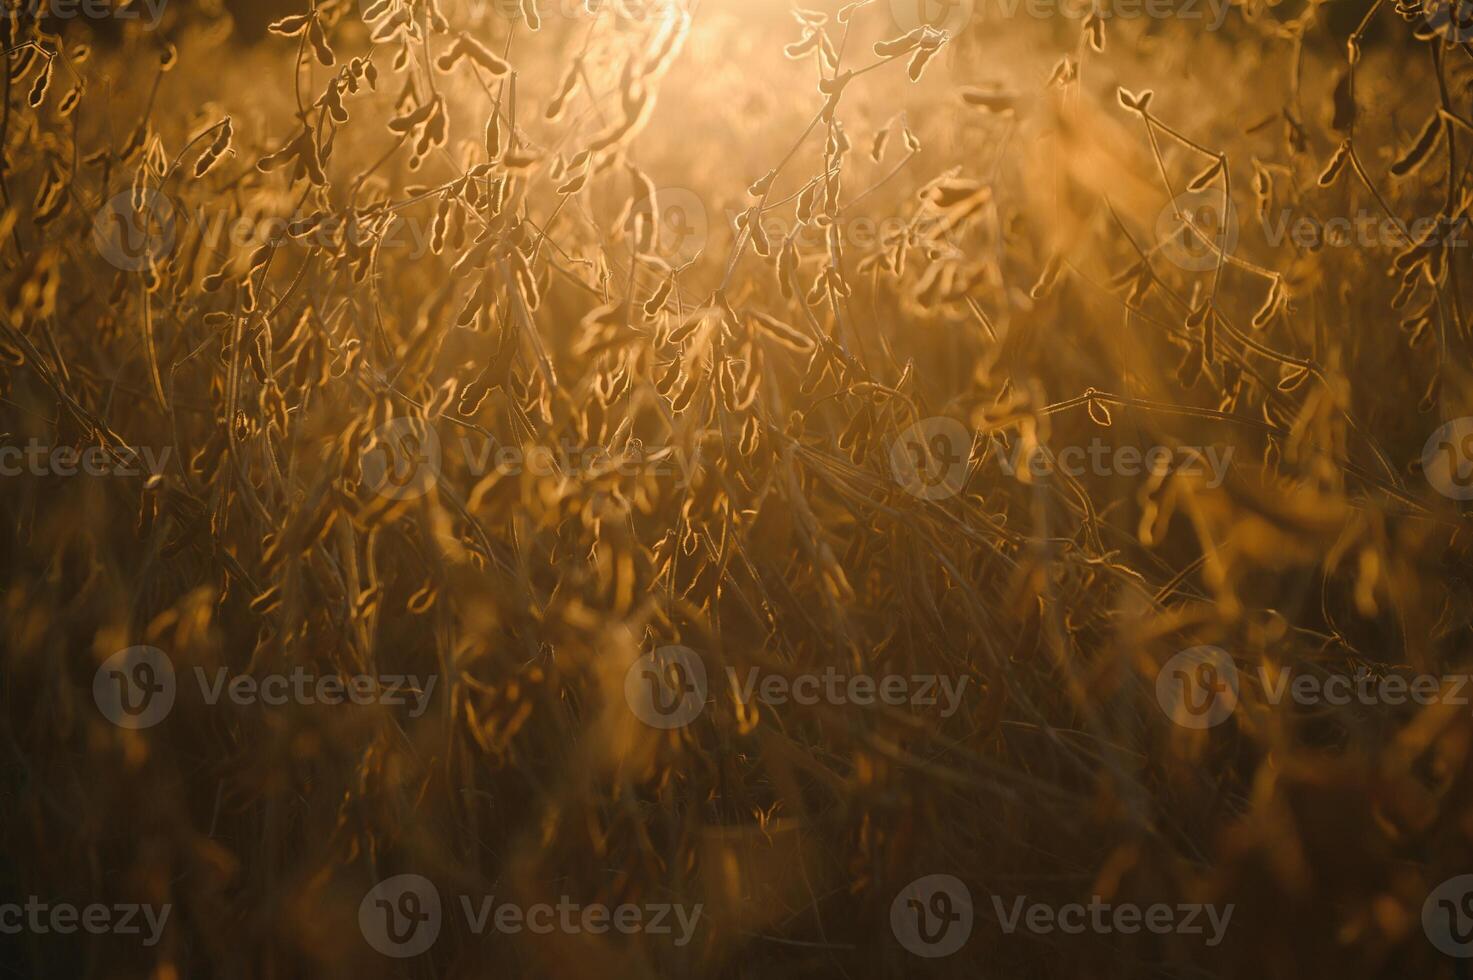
x=736 y=489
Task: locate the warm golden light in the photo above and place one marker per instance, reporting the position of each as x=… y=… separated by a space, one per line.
x=735 y=488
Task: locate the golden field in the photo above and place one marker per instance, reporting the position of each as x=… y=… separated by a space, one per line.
x=718 y=488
